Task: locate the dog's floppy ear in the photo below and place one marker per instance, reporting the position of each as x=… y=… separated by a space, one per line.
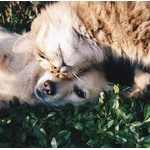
x=24 y=44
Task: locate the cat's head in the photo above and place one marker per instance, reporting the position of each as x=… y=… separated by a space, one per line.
x=61 y=42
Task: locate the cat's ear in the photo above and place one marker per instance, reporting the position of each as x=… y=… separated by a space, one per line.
x=24 y=44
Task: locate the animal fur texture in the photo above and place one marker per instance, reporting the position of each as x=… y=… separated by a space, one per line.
x=18 y=72
x=68 y=37
x=22 y=76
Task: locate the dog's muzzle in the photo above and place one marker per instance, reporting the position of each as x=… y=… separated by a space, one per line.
x=49 y=89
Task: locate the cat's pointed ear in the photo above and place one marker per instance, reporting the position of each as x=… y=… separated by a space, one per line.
x=24 y=44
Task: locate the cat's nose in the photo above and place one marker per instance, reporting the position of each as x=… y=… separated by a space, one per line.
x=62 y=69
x=55 y=69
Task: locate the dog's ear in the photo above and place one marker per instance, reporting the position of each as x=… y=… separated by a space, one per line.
x=24 y=44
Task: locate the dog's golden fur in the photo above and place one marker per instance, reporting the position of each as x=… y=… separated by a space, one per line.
x=18 y=72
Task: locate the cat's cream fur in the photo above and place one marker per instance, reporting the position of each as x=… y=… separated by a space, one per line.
x=21 y=76
x=71 y=36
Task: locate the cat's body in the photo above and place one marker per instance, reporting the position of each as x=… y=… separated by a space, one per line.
x=123 y=26
x=74 y=36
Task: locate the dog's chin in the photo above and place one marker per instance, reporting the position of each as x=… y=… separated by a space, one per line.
x=44 y=98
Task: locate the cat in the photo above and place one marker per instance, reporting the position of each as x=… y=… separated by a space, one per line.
x=22 y=76
x=69 y=37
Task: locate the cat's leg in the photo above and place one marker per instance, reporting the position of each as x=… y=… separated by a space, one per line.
x=141 y=81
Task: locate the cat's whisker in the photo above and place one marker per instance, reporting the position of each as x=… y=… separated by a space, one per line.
x=85 y=83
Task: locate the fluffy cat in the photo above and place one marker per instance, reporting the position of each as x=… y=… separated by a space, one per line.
x=69 y=37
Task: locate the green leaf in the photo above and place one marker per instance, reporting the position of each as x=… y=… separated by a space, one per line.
x=116 y=89
x=23 y=137
x=79 y=126
x=110 y=123
x=90 y=125
x=147 y=120
x=145 y=140
x=130 y=117
x=147 y=145
x=8 y=121
x=99 y=125
x=101 y=98
x=40 y=134
x=91 y=143
x=115 y=104
x=51 y=114
x=146 y=112
x=54 y=142
x=137 y=124
x=134 y=133
x=120 y=113
x=64 y=134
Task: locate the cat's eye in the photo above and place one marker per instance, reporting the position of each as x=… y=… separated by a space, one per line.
x=79 y=92
x=41 y=55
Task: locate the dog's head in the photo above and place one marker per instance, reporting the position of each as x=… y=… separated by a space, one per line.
x=85 y=88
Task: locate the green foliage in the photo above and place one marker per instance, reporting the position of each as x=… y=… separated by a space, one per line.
x=18 y=15
x=112 y=122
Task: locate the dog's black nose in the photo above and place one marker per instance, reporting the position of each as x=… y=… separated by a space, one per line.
x=49 y=87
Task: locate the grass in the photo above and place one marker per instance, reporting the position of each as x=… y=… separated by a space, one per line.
x=112 y=122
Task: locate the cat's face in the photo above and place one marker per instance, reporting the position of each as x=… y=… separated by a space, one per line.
x=61 y=43
x=58 y=92
x=62 y=51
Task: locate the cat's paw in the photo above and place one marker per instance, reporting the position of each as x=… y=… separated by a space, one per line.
x=141 y=85
x=136 y=92
x=133 y=92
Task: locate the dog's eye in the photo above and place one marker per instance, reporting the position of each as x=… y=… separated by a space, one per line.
x=79 y=92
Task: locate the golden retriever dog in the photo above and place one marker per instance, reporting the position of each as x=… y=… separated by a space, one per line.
x=22 y=76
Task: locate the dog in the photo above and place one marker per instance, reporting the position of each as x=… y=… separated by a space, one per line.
x=18 y=72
